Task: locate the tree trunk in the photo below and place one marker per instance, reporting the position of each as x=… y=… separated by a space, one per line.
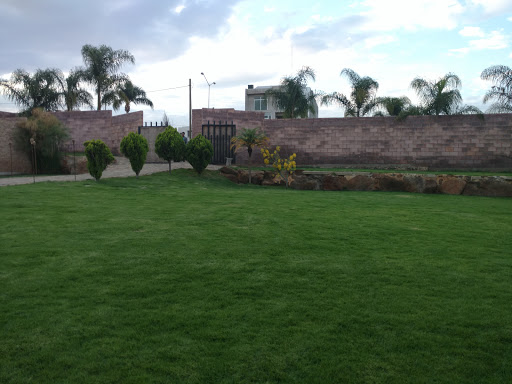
x=250 y=153
x=99 y=98
x=169 y=167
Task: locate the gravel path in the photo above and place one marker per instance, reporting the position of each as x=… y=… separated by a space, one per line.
x=121 y=168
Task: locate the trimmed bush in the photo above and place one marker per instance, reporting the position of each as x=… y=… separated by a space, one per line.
x=98 y=157
x=135 y=148
x=169 y=145
x=199 y=153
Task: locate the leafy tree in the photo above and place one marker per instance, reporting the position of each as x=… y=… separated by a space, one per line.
x=442 y=96
x=102 y=65
x=169 y=145
x=249 y=138
x=361 y=101
x=126 y=93
x=501 y=92
x=98 y=157
x=199 y=153
x=40 y=90
x=75 y=96
x=165 y=120
x=292 y=96
x=49 y=133
x=135 y=148
x=392 y=106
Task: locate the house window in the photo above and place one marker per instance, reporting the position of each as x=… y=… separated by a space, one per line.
x=268 y=115
x=260 y=103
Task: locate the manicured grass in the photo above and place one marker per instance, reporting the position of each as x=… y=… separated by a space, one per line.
x=188 y=279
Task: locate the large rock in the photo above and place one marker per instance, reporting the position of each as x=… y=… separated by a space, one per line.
x=334 y=183
x=389 y=182
x=304 y=183
x=360 y=183
x=451 y=185
x=493 y=186
x=420 y=183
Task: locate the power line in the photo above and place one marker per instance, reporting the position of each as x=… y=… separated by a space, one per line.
x=167 y=89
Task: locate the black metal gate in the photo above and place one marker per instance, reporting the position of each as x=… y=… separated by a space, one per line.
x=220 y=136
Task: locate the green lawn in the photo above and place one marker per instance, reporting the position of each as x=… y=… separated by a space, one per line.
x=184 y=279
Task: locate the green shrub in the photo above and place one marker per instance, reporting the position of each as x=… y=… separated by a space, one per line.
x=199 y=153
x=135 y=148
x=48 y=133
x=98 y=157
x=169 y=145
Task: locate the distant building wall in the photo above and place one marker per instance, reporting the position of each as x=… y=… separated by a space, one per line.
x=82 y=125
x=437 y=142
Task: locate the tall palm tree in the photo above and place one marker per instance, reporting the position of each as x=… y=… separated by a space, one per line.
x=361 y=101
x=293 y=97
x=126 y=93
x=442 y=96
x=74 y=95
x=501 y=91
x=102 y=65
x=392 y=106
x=40 y=90
x=249 y=138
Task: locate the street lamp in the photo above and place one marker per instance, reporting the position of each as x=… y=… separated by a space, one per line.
x=209 y=85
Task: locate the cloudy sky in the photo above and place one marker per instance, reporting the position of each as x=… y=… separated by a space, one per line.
x=236 y=43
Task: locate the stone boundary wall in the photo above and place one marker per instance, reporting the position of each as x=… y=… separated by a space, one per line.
x=490 y=186
x=83 y=126
x=150 y=133
x=20 y=161
x=436 y=142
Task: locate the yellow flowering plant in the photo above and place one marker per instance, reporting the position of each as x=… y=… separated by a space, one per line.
x=284 y=166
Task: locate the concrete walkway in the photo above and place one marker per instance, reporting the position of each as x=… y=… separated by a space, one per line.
x=121 y=168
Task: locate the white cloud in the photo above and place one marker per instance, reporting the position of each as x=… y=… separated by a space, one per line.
x=472 y=32
x=269 y=9
x=411 y=15
x=494 y=6
x=378 y=40
x=179 y=8
x=494 y=40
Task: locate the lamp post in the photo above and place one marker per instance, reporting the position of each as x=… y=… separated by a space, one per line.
x=209 y=85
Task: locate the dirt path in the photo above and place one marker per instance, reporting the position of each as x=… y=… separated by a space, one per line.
x=120 y=169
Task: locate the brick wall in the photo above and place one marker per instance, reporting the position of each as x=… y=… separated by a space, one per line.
x=99 y=125
x=437 y=142
x=20 y=161
x=83 y=126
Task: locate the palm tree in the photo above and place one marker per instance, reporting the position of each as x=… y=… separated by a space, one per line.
x=392 y=106
x=126 y=93
x=75 y=96
x=249 y=138
x=40 y=90
x=442 y=97
x=501 y=91
x=102 y=65
x=293 y=97
x=362 y=99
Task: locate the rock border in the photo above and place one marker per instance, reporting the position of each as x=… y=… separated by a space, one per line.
x=492 y=186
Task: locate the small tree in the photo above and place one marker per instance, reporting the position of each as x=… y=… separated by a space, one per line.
x=249 y=138
x=169 y=145
x=98 y=157
x=48 y=133
x=199 y=153
x=135 y=148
